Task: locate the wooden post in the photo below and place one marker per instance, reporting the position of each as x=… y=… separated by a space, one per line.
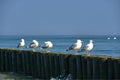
x=51 y=65
x=3 y=61
x=6 y=61
x=111 y=74
x=72 y=66
x=23 y=63
x=103 y=65
x=19 y=65
x=57 y=63
x=96 y=69
x=116 y=68
x=38 y=65
x=84 y=66
x=57 y=69
x=42 y=67
x=31 y=72
x=64 y=65
x=79 y=67
x=89 y=67
x=27 y=62
x=45 y=66
x=34 y=66
x=0 y=61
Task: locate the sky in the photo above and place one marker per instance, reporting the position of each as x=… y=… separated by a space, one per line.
x=59 y=17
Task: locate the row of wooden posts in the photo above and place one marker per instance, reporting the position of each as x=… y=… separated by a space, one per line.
x=45 y=65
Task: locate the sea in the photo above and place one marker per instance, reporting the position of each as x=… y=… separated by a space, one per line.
x=104 y=45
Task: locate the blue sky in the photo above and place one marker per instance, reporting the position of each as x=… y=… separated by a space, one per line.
x=59 y=17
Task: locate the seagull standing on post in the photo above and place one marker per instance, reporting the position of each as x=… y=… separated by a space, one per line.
x=21 y=43
x=33 y=44
x=88 y=47
x=76 y=46
x=47 y=45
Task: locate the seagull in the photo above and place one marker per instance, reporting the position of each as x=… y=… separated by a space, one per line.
x=47 y=45
x=76 y=46
x=33 y=44
x=21 y=43
x=88 y=47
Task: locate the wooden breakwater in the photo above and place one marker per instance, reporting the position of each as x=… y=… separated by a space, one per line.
x=45 y=65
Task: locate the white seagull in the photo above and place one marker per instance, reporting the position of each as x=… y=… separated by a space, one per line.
x=76 y=46
x=88 y=47
x=21 y=43
x=47 y=45
x=33 y=44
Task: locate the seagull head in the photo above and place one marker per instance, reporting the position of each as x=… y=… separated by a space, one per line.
x=34 y=41
x=48 y=42
x=22 y=40
x=91 y=41
x=79 y=41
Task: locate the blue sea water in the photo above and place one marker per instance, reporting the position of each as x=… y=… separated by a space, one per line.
x=102 y=45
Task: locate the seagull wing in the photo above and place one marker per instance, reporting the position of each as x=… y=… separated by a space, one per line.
x=85 y=48
x=72 y=46
x=45 y=46
x=32 y=45
x=18 y=45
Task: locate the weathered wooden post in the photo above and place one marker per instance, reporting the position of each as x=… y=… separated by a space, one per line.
x=79 y=67
x=111 y=74
x=27 y=62
x=63 y=65
x=2 y=60
x=14 y=61
x=38 y=64
x=96 y=68
x=72 y=66
x=42 y=67
x=51 y=65
x=34 y=64
x=103 y=66
x=46 y=66
x=31 y=63
x=89 y=67
x=19 y=62
x=84 y=66
x=116 y=68
x=66 y=66
x=7 y=61
x=23 y=62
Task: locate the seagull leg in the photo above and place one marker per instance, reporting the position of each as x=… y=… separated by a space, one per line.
x=89 y=54
x=76 y=51
x=48 y=50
